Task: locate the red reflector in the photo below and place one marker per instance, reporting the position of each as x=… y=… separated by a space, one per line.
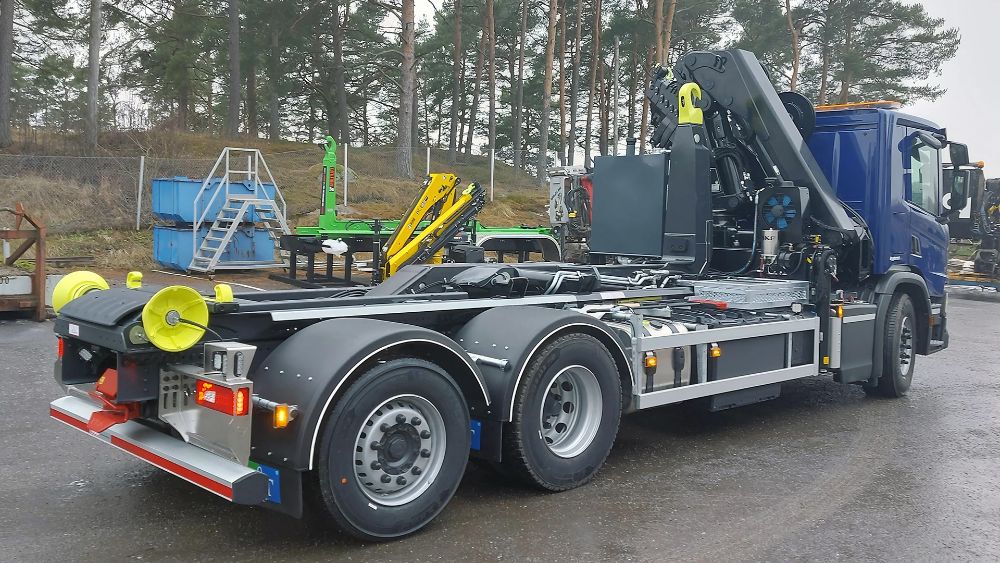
x=60 y=347
x=223 y=399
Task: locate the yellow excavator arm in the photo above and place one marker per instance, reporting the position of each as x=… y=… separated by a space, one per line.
x=451 y=218
x=438 y=194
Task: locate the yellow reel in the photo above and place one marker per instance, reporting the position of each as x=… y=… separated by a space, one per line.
x=74 y=285
x=163 y=315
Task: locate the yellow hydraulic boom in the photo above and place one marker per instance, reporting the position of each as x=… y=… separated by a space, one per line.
x=447 y=215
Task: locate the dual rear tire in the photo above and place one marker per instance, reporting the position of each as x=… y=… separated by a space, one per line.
x=393 y=451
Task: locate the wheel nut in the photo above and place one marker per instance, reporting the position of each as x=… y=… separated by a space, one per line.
x=384 y=426
x=425 y=453
x=376 y=465
x=376 y=445
x=425 y=434
x=400 y=418
x=416 y=470
x=386 y=479
x=400 y=480
x=415 y=421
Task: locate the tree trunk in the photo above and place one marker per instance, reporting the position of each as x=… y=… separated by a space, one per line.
x=574 y=101
x=595 y=62
x=562 y=83
x=474 y=108
x=658 y=29
x=519 y=90
x=847 y=76
x=7 y=8
x=183 y=103
x=794 y=80
x=824 y=74
x=407 y=91
x=343 y=135
x=543 y=126
x=644 y=124
x=210 y=101
x=253 y=130
x=233 y=115
x=456 y=86
x=93 y=74
x=603 y=107
x=274 y=103
x=633 y=87
x=492 y=73
x=668 y=32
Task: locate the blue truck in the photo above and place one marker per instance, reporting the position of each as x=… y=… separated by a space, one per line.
x=761 y=242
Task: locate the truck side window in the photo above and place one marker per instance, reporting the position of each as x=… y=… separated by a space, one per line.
x=925 y=166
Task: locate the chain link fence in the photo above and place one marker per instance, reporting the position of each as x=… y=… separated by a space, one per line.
x=74 y=193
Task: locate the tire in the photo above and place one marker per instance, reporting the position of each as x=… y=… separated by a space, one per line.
x=400 y=415
x=898 y=356
x=554 y=457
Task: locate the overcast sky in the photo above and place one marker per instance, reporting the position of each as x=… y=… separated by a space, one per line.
x=971 y=107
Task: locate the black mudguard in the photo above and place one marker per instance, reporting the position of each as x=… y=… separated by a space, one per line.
x=515 y=333
x=313 y=366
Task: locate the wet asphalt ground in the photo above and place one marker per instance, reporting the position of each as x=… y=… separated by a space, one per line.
x=823 y=473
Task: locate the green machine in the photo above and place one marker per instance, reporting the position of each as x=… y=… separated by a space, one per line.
x=334 y=236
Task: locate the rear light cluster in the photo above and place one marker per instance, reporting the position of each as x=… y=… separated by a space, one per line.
x=235 y=402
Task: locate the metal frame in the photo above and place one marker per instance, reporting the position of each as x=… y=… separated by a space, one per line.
x=30 y=237
x=708 y=336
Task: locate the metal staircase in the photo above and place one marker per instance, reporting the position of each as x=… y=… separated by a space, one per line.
x=247 y=204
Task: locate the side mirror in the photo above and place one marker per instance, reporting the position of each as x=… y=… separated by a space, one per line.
x=959 y=154
x=958 y=192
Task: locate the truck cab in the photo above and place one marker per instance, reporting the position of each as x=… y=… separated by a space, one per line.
x=886 y=165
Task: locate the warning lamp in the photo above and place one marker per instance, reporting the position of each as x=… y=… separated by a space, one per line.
x=235 y=402
x=281 y=416
x=650 y=361
x=840 y=311
x=714 y=351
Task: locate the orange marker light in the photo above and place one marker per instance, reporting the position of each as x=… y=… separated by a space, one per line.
x=650 y=361
x=281 y=417
x=715 y=351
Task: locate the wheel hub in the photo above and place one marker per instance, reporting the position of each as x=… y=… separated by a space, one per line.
x=399 y=450
x=571 y=411
x=905 y=345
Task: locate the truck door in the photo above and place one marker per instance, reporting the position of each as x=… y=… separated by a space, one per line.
x=928 y=239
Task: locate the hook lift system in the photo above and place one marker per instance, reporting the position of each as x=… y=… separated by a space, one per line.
x=755 y=247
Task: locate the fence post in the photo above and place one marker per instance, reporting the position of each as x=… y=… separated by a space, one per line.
x=347 y=175
x=493 y=156
x=428 y=160
x=138 y=196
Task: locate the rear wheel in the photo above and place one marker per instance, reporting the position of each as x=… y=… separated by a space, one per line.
x=898 y=349
x=566 y=414
x=394 y=449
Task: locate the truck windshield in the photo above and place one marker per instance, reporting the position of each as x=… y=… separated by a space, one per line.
x=925 y=167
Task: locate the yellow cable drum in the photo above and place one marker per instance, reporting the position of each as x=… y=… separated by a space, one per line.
x=75 y=285
x=175 y=318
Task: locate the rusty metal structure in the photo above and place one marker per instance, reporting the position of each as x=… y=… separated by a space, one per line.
x=34 y=301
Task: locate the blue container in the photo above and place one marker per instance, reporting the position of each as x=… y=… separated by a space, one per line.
x=172 y=246
x=173 y=198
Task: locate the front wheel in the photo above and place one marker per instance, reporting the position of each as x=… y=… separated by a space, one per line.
x=898 y=349
x=394 y=449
